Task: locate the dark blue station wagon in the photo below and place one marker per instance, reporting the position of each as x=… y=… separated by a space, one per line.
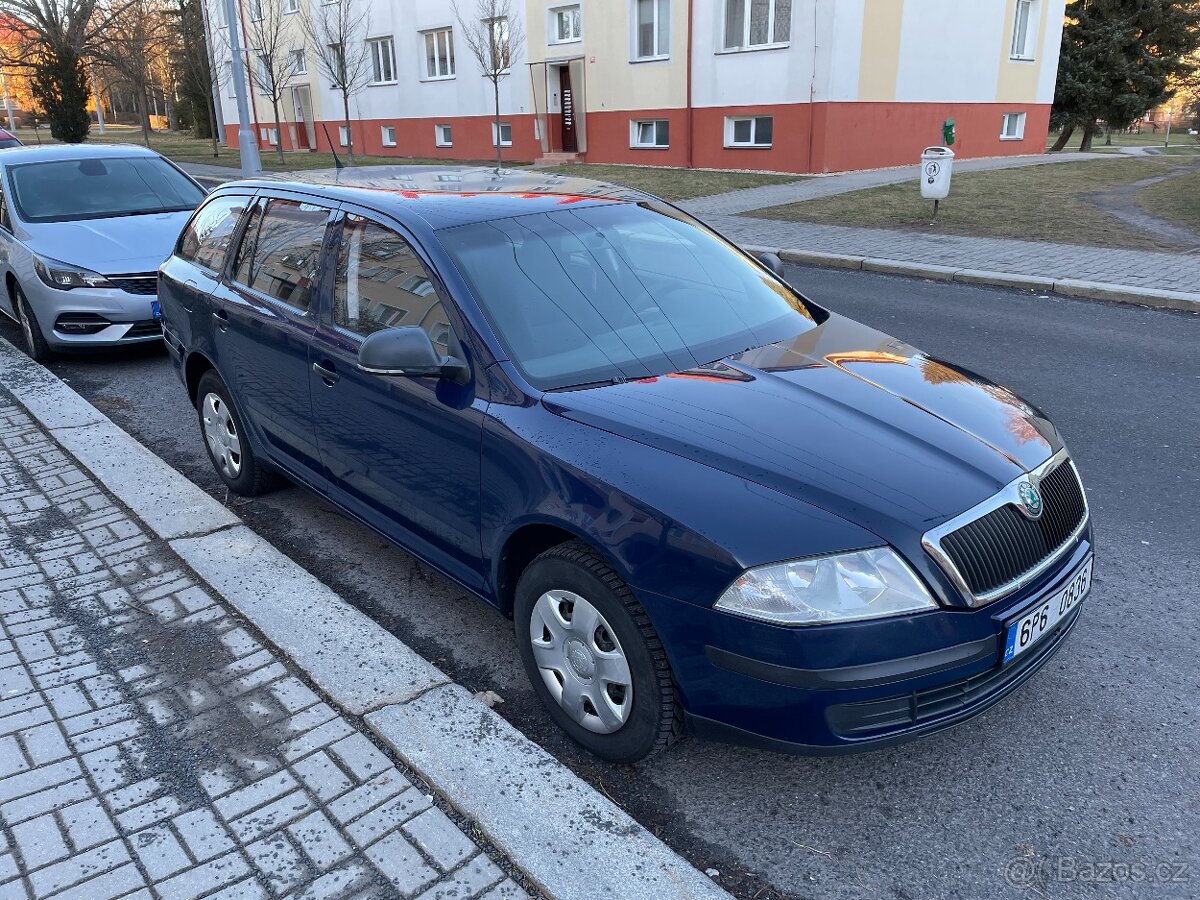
x=706 y=502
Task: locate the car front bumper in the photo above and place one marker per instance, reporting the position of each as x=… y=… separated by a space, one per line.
x=124 y=318
x=857 y=686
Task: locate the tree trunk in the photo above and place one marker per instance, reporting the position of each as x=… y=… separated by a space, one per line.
x=349 y=130
x=1063 y=137
x=1088 y=133
x=212 y=120
x=144 y=114
x=278 y=129
x=499 y=148
x=1108 y=137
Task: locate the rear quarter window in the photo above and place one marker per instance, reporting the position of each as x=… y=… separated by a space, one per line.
x=208 y=236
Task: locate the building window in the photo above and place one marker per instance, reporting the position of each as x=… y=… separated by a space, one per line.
x=442 y=135
x=749 y=132
x=501 y=42
x=217 y=14
x=652 y=29
x=230 y=87
x=505 y=134
x=256 y=10
x=1013 y=127
x=344 y=135
x=566 y=24
x=291 y=6
x=271 y=136
x=339 y=64
x=757 y=23
x=439 y=53
x=299 y=63
x=388 y=134
x=383 y=60
x=1024 y=30
x=649 y=134
x=262 y=76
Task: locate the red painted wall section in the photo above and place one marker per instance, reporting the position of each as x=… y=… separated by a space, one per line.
x=822 y=137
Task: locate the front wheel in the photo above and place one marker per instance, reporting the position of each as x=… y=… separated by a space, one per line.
x=593 y=655
x=35 y=341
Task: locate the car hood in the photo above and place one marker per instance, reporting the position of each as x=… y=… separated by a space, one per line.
x=116 y=246
x=843 y=417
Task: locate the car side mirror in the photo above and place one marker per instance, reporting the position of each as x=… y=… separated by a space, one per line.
x=772 y=262
x=408 y=351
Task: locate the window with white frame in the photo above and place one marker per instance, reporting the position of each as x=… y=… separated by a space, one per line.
x=256 y=10
x=217 y=14
x=501 y=40
x=1013 y=127
x=1024 y=29
x=229 y=87
x=339 y=64
x=749 y=131
x=439 y=53
x=505 y=134
x=298 y=61
x=443 y=136
x=383 y=60
x=262 y=75
x=344 y=135
x=566 y=24
x=756 y=23
x=291 y=6
x=651 y=29
x=271 y=136
x=387 y=134
x=649 y=134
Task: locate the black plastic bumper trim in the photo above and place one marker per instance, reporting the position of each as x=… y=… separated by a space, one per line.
x=861 y=676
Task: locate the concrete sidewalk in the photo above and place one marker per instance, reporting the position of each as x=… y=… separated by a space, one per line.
x=149 y=740
x=183 y=710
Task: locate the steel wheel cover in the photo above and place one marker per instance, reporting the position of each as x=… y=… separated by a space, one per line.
x=221 y=434
x=581 y=661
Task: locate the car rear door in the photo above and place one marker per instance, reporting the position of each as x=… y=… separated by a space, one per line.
x=264 y=320
x=403 y=453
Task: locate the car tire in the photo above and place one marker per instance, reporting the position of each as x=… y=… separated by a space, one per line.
x=573 y=655
x=35 y=342
x=225 y=439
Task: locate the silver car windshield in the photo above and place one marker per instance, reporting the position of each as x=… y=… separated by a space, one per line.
x=618 y=292
x=68 y=190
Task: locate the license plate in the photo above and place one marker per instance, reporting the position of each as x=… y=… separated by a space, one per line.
x=1026 y=631
x=156 y=309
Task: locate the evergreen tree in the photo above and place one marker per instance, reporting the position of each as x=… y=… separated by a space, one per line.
x=1119 y=58
x=59 y=84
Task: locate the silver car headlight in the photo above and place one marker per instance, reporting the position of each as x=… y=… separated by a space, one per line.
x=64 y=276
x=845 y=587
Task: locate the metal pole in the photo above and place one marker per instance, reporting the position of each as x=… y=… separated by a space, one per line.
x=1170 y=114
x=12 y=126
x=251 y=163
x=99 y=108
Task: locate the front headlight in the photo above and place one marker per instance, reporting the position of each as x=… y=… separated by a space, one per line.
x=846 y=587
x=64 y=276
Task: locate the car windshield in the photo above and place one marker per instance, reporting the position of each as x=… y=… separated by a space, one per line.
x=616 y=292
x=70 y=189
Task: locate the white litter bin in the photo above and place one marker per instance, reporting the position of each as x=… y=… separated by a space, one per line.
x=937 y=163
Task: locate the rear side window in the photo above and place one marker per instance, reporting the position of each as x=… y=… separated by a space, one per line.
x=207 y=237
x=281 y=250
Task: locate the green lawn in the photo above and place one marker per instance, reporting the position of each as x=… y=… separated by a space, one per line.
x=1037 y=203
x=1179 y=138
x=673 y=184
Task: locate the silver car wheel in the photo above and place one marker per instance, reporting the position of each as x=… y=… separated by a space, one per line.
x=24 y=314
x=221 y=434
x=581 y=661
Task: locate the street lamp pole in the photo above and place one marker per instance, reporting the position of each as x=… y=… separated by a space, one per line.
x=96 y=95
x=7 y=105
x=247 y=144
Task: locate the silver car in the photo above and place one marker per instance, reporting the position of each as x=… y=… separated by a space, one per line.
x=83 y=230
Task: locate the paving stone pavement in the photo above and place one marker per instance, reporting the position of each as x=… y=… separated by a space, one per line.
x=152 y=746
x=1134 y=268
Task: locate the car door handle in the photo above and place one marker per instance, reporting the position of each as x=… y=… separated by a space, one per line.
x=328 y=376
x=222 y=319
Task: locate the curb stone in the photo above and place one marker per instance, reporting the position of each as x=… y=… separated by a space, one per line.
x=478 y=762
x=1067 y=287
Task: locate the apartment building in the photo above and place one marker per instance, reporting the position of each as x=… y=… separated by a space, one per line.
x=782 y=85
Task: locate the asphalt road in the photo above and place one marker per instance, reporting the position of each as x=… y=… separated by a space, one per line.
x=1088 y=777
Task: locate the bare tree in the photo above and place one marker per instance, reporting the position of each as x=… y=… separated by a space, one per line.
x=495 y=36
x=272 y=36
x=195 y=57
x=130 y=46
x=336 y=34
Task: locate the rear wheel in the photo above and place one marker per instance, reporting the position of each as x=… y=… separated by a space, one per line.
x=35 y=341
x=225 y=438
x=593 y=655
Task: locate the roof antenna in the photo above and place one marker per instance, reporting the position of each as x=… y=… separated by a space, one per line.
x=337 y=163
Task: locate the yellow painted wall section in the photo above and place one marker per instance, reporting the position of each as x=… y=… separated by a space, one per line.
x=1018 y=81
x=612 y=82
x=879 y=60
